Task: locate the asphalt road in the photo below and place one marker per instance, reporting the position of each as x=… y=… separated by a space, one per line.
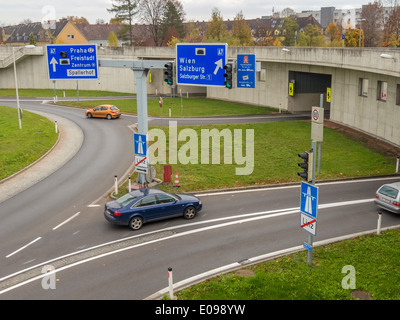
x=95 y=260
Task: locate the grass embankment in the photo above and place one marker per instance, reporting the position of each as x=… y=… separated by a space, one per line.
x=19 y=148
x=375 y=260
x=276 y=145
x=192 y=107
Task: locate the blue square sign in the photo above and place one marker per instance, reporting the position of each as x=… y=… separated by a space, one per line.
x=309 y=200
x=140 y=141
x=246 y=70
x=72 y=62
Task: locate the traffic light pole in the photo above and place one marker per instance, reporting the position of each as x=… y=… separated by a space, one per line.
x=310 y=236
x=140 y=69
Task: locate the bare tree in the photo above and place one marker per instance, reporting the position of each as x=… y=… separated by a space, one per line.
x=373 y=24
x=151 y=12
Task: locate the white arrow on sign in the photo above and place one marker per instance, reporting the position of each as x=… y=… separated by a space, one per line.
x=219 y=65
x=54 y=62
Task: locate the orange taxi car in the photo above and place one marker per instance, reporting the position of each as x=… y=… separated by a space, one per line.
x=107 y=111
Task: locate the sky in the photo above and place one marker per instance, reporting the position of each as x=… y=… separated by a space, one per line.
x=15 y=11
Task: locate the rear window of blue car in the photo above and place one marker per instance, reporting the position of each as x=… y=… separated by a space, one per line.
x=125 y=200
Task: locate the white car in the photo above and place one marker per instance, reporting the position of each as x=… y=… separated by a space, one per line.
x=388 y=197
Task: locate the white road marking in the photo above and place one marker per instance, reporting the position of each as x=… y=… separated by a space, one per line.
x=68 y=220
x=22 y=248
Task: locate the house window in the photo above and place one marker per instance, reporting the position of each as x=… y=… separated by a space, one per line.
x=382 y=90
x=363 y=87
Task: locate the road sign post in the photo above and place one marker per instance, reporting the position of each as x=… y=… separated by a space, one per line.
x=309 y=213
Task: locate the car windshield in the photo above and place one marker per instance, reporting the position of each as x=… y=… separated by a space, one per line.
x=114 y=108
x=125 y=200
x=389 y=192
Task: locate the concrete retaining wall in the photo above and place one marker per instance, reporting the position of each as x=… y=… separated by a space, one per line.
x=346 y=66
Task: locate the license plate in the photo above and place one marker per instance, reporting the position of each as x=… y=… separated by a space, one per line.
x=386 y=200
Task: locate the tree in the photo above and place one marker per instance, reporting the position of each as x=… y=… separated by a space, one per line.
x=242 y=31
x=151 y=13
x=32 y=39
x=172 y=21
x=352 y=38
x=372 y=26
x=112 y=39
x=290 y=26
x=77 y=20
x=287 y=12
x=311 y=37
x=392 y=29
x=216 y=29
x=125 y=10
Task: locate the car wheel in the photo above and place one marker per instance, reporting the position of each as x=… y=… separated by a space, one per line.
x=189 y=213
x=89 y=115
x=109 y=117
x=136 y=223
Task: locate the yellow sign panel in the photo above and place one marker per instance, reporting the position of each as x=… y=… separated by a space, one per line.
x=328 y=94
x=291 y=89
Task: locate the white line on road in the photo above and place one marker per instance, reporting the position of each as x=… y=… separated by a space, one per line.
x=68 y=220
x=245 y=218
x=22 y=248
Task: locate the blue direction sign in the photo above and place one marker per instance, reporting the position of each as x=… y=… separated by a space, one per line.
x=72 y=62
x=201 y=64
x=309 y=200
x=246 y=70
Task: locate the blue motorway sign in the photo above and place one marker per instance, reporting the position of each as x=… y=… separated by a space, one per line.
x=309 y=199
x=201 y=64
x=72 y=62
x=140 y=141
x=246 y=70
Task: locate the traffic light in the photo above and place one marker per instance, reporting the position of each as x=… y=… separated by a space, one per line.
x=169 y=73
x=228 y=75
x=307 y=165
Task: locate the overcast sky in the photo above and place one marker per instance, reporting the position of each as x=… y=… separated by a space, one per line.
x=15 y=11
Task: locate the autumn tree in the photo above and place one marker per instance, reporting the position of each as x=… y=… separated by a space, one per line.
x=242 y=31
x=392 y=29
x=125 y=11
x=216 y=29
x=112 y=39
x=75 y=19
x=352 y=38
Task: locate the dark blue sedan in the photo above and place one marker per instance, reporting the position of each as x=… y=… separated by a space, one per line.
x=146 y=205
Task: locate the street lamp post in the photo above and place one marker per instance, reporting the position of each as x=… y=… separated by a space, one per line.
x=16 y=89
x=16 y=84
x=360 y=21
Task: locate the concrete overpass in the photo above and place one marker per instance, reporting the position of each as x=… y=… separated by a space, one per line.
x=365 y=83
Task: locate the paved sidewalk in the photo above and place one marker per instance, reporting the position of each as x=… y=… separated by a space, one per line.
x=69 y=142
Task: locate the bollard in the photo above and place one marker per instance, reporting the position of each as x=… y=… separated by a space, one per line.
x=115 y=185
x=378 y=229
x=397 y=165
x=56 y=126
x=171 y=285
x=129 y=184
